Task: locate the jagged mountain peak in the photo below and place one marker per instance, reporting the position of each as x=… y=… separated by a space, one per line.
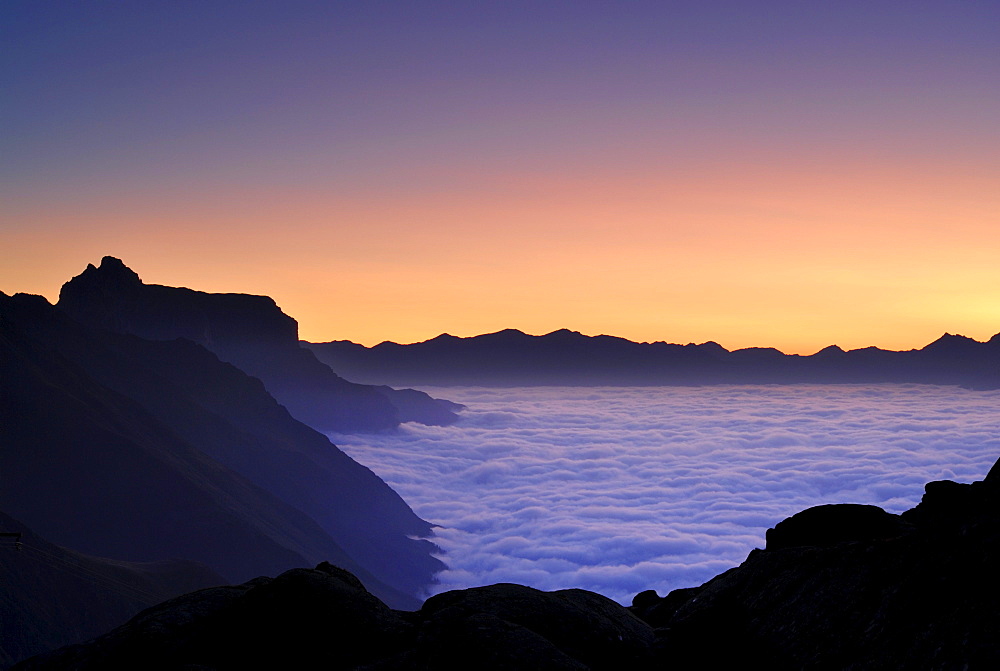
x=109 y=266
x=112 y=264
x=951 y=343
x=111 y=271
x=252 y=333
x=114 y=297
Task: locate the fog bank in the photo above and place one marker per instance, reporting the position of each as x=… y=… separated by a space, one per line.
x=618 y=490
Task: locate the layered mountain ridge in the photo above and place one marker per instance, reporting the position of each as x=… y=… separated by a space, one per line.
x=131 y=433
x=568 y=358
x=253 y=334
x=144 y=450
x=142 y=468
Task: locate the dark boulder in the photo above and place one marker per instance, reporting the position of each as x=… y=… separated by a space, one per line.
x=323 y=618
x=320 y=618
x=590 y=628
x=850 y=587
x=454 y=640
x=826 y=525
x=656 y=610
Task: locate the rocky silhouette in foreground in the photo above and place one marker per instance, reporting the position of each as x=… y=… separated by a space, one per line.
x=836 y=587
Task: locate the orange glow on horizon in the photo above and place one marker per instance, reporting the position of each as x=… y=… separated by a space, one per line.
x=854 y=256
x=792 y=178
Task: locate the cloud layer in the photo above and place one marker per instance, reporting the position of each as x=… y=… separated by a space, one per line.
x=618 y=490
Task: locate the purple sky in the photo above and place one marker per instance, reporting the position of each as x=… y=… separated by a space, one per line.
x=790 y=174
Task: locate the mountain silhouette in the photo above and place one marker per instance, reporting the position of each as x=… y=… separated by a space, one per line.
x=835 y=587
x=563 y=357
x=253 y=334
x=142 y=450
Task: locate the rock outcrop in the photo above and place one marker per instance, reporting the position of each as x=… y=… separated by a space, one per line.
x=837 y=587
x=851 y=587
x=147 y=450
x=323 y=618
x=253 y=334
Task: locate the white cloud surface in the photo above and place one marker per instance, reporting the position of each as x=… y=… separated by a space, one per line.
x=618 y=490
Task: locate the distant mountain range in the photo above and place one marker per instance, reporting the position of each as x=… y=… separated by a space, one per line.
x=514 y=358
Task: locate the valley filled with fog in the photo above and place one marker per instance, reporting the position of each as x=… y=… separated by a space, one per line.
x=618 y=490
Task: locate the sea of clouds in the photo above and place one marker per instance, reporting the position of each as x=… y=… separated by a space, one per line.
x=618 y=490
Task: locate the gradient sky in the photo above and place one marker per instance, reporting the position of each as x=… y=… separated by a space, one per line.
x=792 y=174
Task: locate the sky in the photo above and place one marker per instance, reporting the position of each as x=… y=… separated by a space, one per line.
x=620 y=490
x=787 y=174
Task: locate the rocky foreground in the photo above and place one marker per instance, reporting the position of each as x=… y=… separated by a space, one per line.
x=837 y=587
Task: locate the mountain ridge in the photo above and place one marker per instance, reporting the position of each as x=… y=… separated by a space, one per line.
x=252 y=333
x=161 y=450
x=513 y=358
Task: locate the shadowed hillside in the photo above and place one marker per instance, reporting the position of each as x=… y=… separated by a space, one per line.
x=143 y=450
x=51 y=596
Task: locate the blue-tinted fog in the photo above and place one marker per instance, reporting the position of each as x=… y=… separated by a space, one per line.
x=618 y=490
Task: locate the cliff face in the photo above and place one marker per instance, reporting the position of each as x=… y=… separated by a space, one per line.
x=836 y=587
x=147 y=450
x=253 y=334
x=114 y=298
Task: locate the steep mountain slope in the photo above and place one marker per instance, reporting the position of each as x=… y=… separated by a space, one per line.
x=513 y=358
x=51 y=596
x=252 y=333
x=148 y=450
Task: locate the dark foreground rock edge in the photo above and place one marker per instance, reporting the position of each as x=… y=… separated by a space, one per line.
x=836 y=587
